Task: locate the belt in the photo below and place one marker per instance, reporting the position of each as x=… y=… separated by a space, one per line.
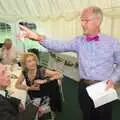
x=89 y=82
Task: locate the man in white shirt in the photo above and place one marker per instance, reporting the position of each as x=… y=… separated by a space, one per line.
x=8 y=53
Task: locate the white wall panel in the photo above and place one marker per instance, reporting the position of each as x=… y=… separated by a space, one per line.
x=106 y=26
x=116 y=28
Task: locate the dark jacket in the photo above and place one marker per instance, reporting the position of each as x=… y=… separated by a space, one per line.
x=9 y=110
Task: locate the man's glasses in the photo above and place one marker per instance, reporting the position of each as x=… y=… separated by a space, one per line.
x=86 y=20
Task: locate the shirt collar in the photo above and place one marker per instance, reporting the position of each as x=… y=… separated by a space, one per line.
x=2 y=92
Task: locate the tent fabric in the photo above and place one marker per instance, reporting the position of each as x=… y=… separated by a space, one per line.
x=48 y=9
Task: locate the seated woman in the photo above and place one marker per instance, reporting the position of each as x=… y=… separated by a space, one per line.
x=41 y=83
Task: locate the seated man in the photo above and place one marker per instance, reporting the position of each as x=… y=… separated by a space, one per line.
x=10 y=107
x=8 y=52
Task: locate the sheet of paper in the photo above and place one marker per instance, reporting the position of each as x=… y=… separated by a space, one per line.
x=100 y=95
x=118 y=92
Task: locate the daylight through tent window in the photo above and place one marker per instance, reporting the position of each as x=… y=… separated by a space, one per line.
x=4 y=28
x=5 y=31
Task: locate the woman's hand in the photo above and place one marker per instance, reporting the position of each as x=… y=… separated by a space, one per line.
x=40 y=82
x=34 y=87
x=43 y=110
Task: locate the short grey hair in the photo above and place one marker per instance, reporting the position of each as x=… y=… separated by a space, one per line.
x=97 y=11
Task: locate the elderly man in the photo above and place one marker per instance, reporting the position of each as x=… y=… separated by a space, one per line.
x=97 y=55
x=10 y=107
x=8 y=52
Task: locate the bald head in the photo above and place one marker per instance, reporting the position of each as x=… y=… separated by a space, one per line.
x=94 y=11
x=91 y=19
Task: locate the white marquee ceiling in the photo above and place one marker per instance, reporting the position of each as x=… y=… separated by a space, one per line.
x=52 y=9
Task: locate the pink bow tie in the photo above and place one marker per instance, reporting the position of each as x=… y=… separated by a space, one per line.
x=92 y=38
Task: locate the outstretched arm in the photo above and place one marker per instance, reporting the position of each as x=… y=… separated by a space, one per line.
x=27 y=33
x=54 y=45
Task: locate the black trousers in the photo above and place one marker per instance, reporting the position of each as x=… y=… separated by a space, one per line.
x=86 y=104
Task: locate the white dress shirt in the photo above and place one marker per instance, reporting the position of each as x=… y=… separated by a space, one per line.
x=2 y=92
x=9 y=56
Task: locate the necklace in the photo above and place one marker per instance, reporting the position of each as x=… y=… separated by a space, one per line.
x=32 y=74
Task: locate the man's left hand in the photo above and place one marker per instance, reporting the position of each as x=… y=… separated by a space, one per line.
x=110 y=84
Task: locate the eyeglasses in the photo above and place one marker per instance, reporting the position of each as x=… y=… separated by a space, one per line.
x=86 y=20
